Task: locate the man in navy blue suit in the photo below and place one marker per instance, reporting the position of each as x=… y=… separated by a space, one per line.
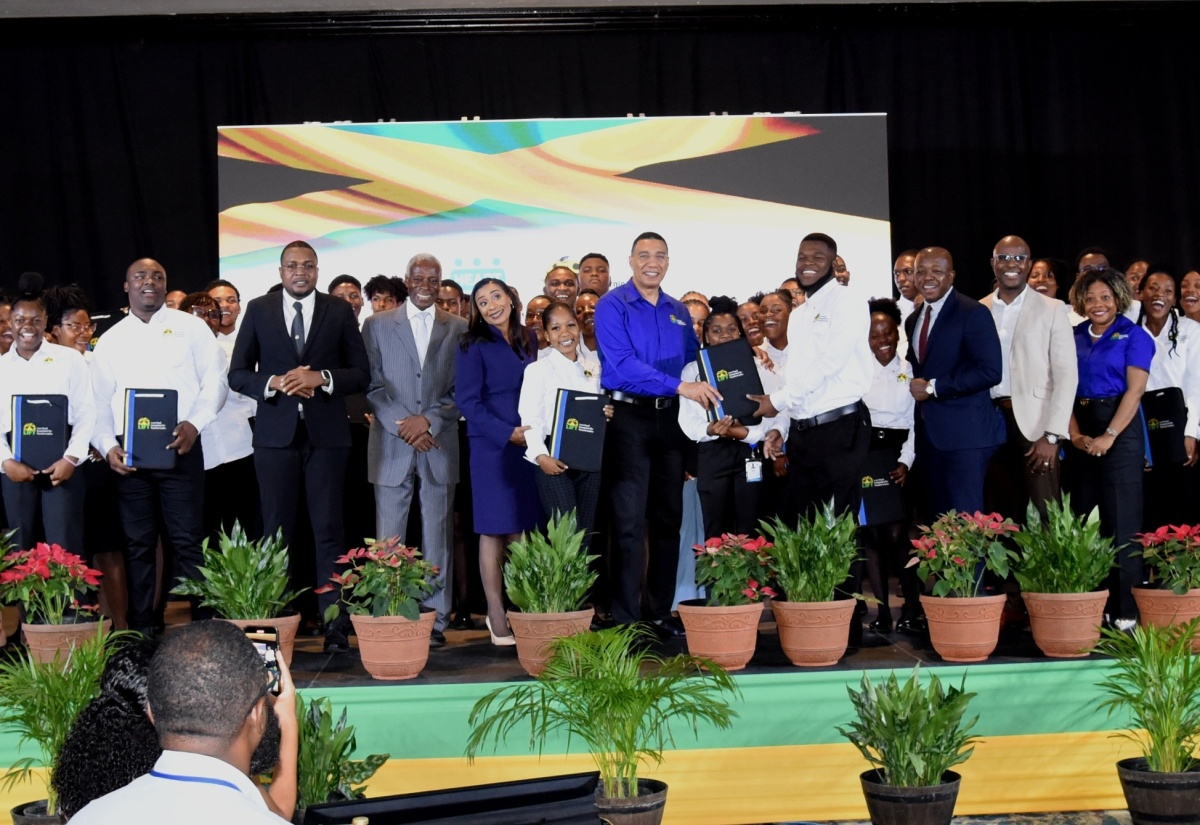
x=955 y=356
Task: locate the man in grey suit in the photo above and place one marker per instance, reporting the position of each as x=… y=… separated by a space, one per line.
x=414 y=434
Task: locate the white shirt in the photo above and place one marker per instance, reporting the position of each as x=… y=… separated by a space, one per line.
x=205 y=790
x=829 y=361
x=779 y=357
x=52 y=370
x=907 y=308
x=543 y=378
x=1180 y=368
x=421 y=321
x=173 y=351
x=229 y=437
x=693 y=419
x=308 y=305
x=891 y=403
x=1005 y=316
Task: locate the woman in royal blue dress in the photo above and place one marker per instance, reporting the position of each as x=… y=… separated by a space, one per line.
x=491 y=363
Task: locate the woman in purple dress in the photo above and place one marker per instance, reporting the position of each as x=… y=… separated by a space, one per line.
x=491 y=363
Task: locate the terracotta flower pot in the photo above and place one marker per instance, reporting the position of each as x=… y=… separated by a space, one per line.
x=813 y=634
x=727 y=635
x=1161 y=608
x=535 y=631
x=964 y=629
x=1154 y=798
x=47 y=641
x=287 y=627
x=393 y=647
x=1065 y=625
x=644 y=809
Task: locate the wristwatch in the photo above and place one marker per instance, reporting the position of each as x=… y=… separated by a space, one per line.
x=1111 y=431
x=326 y=378
x=1051 y=438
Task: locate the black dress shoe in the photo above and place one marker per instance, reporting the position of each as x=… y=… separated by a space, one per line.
x=602 y=622
x=881 y=625
x=913 y=627
x=312 y=628
x=437 y=639
x=336 y=642
x=462 y=621
x=669 y=628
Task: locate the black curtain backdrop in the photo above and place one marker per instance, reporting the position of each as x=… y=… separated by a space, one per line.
x=1070 y=124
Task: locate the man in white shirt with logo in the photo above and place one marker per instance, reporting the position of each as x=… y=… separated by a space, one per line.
x=155 y=347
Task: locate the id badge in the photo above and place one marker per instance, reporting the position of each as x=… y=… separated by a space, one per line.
x=753 y=470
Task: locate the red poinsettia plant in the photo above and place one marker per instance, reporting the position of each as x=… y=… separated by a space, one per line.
x=385 y=578
x=735 y=569
x=1173 y=554
x=47 y=580
x=954 y=547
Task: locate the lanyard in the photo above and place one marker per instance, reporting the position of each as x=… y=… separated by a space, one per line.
x=204 y=780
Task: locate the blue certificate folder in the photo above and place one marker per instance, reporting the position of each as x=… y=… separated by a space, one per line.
x=151 y=417
x=39 y=429
x=577 y=438
x=731 y=369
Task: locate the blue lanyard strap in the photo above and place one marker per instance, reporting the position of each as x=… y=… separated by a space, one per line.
x=205 y=780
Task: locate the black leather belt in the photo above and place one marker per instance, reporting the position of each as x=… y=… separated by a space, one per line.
x=658 y=402
x=1004 y=402
x=825 y=417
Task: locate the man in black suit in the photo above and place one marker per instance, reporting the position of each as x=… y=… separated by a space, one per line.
x=300 y=353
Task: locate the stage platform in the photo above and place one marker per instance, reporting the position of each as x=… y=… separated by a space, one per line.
x=1045 y=746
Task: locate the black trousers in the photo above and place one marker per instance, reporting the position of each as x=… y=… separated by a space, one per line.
x=320 y=473
x=175 y=496
x=644 y=446
x=231 y=495
x=58 y=509
x=728 y=502
x=824 y=463
x=1112 y=482
x=577 y=490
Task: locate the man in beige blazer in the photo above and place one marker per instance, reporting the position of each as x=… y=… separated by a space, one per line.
x=1037 y=389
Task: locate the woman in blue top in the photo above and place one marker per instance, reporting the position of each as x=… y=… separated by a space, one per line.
x=491 y=363
x=1114 y=356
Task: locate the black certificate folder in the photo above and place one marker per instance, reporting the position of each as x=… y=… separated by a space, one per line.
x=39 y=429
x=577 y=438
x=731 y=369
x=150 y=420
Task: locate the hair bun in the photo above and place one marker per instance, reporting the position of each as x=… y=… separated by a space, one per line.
x=29 y=285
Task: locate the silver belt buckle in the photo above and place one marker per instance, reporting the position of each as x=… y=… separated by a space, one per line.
x=662 y=403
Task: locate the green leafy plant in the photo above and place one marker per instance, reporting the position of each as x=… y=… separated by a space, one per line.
x=911 y=734
x=956 y=544
x=324 y=769
x=40 y=701
x=243 y=579
x=1156 y=679
x=46 y=581
x=607 y=689
x=734 y=569
x=816 y=557
x=1062 y=553
x=549 y=572
x=385 y=579
x=1173 y=556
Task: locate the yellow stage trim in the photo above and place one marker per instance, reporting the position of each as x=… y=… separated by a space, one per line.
x=736 y=786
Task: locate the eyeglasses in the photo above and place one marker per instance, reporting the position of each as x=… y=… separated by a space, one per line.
x=1007 y=259
x=206 y=313
x=292 y=266
x=86 y=329
x=1093 y=268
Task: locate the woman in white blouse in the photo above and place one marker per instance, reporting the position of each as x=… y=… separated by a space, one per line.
x=1169 y=489
x=891 y=406
x=729 y=469
x=561 y=489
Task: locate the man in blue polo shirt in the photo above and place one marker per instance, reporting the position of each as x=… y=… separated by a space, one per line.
x=646 y=338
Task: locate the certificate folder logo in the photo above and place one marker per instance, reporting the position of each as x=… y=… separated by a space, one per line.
x=143 y=423
x=29 y=429
x=572 y=424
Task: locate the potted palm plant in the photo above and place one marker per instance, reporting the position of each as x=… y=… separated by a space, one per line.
x=382 y=589
x=810 y=562
x=245 y=582
x=47 y=581
x=964 y=626
x=325 y=771
x=608 y=690
x=547 y=577
x=1063 y=560
x=1173 y=556
x=39 y=701
x=735 y=570
x=1155 y=678
x=912 y=735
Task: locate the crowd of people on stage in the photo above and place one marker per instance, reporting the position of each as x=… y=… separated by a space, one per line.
x=429 y=418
